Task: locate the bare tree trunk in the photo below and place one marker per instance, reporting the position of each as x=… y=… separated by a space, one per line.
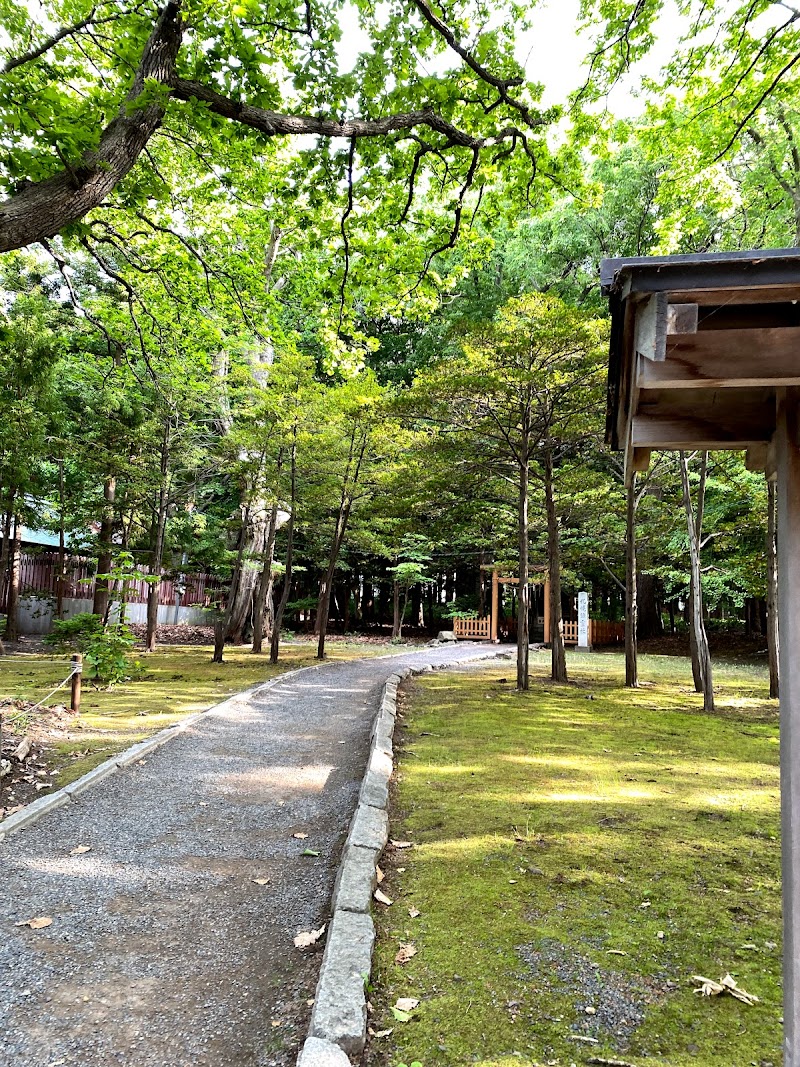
x=102 y=586
x=397 y=622
x=62 y=571
x=326 y=587
x=523 y=601
x=694 y=523
x=773 y=637
x=157 y=556
x=275 y=641
x=5 y=552
x=631 y=597
x=558 y=658
x=12 y=627
x=264 y=590
x=222 y=626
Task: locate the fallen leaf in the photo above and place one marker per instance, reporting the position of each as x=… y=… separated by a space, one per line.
x=615 y=952
x=381 y=1033
x=401 y=1016
x=414 y=913
x=405 y=953
x=276 y=1022
x=261 y=881
x=660 y=935
x=402 y=844
x=306 y=938
x=645 y=904
x=707 y=987
x=37 y=923
x=309 y=852
x=379 y=875
x=381 y=897
x=300 y=837
x=401 y=870
x=79 y=850
x=406 y=1004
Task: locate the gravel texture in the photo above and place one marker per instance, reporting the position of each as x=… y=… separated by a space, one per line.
x=606 y=1003
x=164 y=951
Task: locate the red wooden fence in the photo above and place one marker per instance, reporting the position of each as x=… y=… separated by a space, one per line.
x=39 y=577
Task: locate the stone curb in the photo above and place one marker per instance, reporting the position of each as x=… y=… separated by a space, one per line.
x=338 y=1029
x=34 y=811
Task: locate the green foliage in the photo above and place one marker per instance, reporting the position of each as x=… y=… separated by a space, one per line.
x=74 y=634
x=108 y=655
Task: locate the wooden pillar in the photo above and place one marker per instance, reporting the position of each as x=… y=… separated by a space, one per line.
x=495 y=607
x=547 y=611
x=787 y=442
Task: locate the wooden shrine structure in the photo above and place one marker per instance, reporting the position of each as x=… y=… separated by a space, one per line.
x=705 y=353
x=487 y=628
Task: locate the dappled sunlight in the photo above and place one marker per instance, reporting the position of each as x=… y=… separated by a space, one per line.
x=308 y=779
x=632 y=832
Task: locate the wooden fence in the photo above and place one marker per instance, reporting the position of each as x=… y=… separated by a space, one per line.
x=600 y=631
x=39 y=577
x=472 y=629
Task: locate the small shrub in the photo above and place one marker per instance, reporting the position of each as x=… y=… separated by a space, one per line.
x=73 y=635
x=107 y=655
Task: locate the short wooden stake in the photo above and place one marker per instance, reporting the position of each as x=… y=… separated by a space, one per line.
x=77 y=667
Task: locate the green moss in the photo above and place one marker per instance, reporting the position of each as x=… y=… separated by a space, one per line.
x=556 y=829
x=177 y=681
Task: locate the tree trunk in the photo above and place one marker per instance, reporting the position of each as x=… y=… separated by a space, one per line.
x=397 y=622
x=558 y=658
x=631 y=598
x=62 y=571
x=222 y=626
x=701 y=657
x=275 y=640
x=773 y=639
x=102 y=586
x=324 y=603
x=157 y=555
x=12 y=628
x=5 y=551
x=263 y=593
x=523 y=601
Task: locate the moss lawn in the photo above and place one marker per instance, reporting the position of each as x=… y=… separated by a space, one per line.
x=579 y=852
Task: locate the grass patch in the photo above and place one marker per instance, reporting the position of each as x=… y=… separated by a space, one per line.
x=580 y=852
x=178 y=681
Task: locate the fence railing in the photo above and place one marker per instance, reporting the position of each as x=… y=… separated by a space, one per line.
x=472 y=629
x=600 y=632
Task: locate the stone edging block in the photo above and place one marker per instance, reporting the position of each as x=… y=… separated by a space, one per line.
x=339 y=1019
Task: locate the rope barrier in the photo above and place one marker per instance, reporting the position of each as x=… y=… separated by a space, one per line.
x=77 y=669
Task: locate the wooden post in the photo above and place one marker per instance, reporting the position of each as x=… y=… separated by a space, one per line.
x=547 y=611
x=495 y=607
x=787 y=442
x=77 y=666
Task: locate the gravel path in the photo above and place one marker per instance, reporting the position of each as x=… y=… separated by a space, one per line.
x=164 y=951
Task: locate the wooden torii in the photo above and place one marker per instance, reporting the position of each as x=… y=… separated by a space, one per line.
x=497 y=581
x=705 y=353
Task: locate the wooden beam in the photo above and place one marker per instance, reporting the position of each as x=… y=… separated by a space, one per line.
x=725 y=359
x=651 y=327
x=761 y=294
x=756 y=458
x=704 y=418
x=495 y=608
x=682 y=318
x=787 y=442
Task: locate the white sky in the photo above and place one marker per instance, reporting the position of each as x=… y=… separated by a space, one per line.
x=553 y=50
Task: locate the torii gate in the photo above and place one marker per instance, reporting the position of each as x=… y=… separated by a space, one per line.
x=705 y=353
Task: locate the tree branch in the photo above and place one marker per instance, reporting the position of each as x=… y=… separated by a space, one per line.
x=39 y=210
